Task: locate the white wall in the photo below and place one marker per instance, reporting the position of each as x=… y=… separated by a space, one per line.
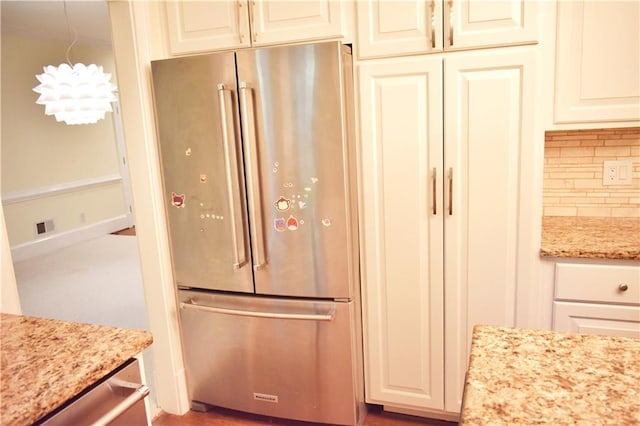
x=9 y=300
x=135 y=27
x=70 y=174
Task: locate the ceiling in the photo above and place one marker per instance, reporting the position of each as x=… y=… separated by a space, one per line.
x=47 y=19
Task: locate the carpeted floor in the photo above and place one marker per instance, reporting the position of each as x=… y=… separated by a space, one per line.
x=97 y=281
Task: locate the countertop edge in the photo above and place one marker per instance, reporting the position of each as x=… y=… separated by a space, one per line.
x=616 y=238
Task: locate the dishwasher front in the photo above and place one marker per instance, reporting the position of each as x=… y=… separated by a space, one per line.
x=285 y=358
x=116 y=400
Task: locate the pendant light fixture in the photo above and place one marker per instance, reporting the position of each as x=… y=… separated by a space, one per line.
x=75 y=94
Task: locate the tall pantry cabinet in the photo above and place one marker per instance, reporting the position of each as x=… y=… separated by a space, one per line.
x=444 y=140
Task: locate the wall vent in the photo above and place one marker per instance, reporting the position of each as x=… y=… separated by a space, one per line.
x=45 y=227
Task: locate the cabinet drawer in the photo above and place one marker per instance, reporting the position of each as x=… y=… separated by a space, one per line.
x=598 y=283
x=593 y=318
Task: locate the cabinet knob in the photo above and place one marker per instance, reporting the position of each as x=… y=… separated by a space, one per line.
x=623 y=287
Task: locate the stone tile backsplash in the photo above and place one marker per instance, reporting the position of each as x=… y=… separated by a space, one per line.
x=573 y=171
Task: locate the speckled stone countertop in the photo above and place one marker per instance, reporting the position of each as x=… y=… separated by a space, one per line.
x=45 y=362
x=521 y=376
x=591 y=237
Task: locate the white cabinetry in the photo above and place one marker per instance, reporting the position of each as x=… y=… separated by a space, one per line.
x=597 y=61
x=441 y=193
x=197 y=26
x=403 y=300
x=597 y=299
x=391 y=28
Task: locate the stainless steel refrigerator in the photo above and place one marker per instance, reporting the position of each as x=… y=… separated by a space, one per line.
x=258 y=161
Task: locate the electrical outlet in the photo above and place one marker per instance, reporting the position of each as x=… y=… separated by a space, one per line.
x=617 y=172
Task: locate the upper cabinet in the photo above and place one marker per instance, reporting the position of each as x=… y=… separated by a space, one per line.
x=414 y=27
x=597 y=61
x=199 y=26
x=285 y=21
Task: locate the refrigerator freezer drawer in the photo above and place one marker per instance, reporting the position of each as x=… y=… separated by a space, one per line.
x=284 y=358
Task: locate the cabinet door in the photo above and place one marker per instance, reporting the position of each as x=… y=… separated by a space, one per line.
x=479 y=23
x=390 y=28
x=488 y=138
x=597 y=61
x=288 y=21
x=610 y=320
x=393 y=28
x=198 y=26
x=400 y=147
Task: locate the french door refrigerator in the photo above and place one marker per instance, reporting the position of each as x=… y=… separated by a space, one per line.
x=258 y=168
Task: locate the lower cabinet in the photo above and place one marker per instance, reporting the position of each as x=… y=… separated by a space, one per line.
x=443 y=210
x=597 y=299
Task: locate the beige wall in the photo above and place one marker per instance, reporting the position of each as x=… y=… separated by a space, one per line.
x=574 y=162
x=40 y=153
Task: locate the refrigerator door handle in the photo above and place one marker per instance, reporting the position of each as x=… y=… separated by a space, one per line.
x=191 y=304
x=253 y=178
x=233 y=186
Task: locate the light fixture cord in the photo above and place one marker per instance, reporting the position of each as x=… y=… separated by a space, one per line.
x=75 y=33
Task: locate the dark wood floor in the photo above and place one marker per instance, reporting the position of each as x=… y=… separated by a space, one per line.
x=126 y=231
x=223 y=417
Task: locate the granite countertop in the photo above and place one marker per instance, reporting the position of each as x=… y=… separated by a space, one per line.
x=45 y=362
x=591 y=237
x=521 y=376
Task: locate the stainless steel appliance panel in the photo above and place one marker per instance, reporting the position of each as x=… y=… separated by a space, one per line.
x=296 y=159
x=117 y=400
x=276 y=357
x=200 y=144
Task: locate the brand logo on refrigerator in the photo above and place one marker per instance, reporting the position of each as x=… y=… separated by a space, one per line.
x=265 y=397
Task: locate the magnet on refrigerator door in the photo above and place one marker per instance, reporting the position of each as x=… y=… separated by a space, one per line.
x=177 y=200
x=282 y=204
x=292 y=223
x=280 y=224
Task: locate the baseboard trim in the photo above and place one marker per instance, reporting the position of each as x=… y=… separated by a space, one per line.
x=432 y=414
x=60 y=240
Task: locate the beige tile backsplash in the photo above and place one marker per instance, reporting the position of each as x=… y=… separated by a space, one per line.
x=573 y=169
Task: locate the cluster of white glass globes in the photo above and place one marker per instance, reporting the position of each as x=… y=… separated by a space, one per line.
x=76 y=95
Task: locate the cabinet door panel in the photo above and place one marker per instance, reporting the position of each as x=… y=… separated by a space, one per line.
x=480 y=23
x=401 y=27
x=197 y=26
x=598 y=61
x=401 y=144
x=393 y=28
x=283 y=21
x=488 y=137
